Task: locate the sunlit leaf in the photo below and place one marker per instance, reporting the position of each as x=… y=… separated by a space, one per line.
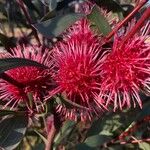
x=99 y=22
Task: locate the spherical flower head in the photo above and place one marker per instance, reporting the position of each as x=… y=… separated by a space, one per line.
x=31 y=80
x=126 y=71
x=77 y=61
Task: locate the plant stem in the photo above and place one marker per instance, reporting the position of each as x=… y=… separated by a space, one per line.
x=137 y=26
x=54 y=129
x=129 y=142
x=50 y=138
x=136 y=9
x=25 y=11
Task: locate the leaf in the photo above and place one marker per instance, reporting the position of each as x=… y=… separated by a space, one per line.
x=144 y=146
x=144 y=112
x=98 y=21
x=6 y=112
x=84 y=147
x=106 y=125
x=56 y=26
x=93 y=142
x=95 y=128
x=10 y=63
x=40 y=146
x=49 y=15
x=96 y=140
x=64 y=132
x=67 y=126
x=112 y=123
x=12 y=131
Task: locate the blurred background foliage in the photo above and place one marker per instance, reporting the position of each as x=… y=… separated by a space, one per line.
x=112 y=131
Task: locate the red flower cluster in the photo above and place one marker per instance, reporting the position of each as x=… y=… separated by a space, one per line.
x=78 y=68
x=126 y=72
x=31 y=80
x=90 y=77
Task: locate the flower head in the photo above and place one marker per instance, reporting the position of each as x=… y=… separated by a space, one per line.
x=126 y=71
x=77 y=61
x=30 y=79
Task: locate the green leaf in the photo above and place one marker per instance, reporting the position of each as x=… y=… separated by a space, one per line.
x=6 y=112
x=96 y=140
x=113 y=123
x=56 y=26
x=98 y=21
x=12 y=131
x=10 y=63
x=40 y=146
x=92 y=142
x=67 y=126
x=106 y=125
x=144 y=146
x=84 y=147
x=64 y=132
x=49 y=15
x=145 y=111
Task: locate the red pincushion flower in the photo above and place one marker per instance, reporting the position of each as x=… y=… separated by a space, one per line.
x=78 y=66
x=126 y=71
x=77 y=59
x=32 y=79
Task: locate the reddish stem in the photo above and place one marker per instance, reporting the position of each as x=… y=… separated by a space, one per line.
x=137 y=26
x=25 y=11
x=136 y=141
x=50 y=138
x=136 y=9
x=121 y=138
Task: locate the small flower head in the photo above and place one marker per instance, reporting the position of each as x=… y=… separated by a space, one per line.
x=77 y=61
x=33 y=80
x=126 y=71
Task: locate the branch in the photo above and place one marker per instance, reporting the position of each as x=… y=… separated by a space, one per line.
x=50 y=138
x=136 y=9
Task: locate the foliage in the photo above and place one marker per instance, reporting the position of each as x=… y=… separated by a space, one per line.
x=44 y=23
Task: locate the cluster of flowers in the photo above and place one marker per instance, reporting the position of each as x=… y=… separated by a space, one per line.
x=83 y=71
